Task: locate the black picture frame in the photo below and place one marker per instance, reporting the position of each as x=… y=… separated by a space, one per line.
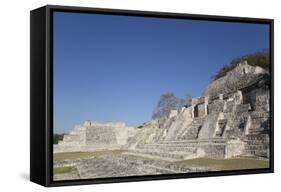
x=41 y=99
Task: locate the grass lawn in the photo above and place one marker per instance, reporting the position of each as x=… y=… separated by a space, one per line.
x=61 y=170
x=228 y=164
x=75 y=155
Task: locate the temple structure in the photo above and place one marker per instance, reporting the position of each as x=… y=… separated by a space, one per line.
x=231 y=119
x=92 y=136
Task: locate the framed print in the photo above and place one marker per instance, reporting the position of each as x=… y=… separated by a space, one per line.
x=123 y=95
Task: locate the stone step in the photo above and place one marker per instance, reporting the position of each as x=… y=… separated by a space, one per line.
x=72 y=138
x=256 y=129
x=262 y=153
x=170 y=155
x=70 y=143
x=193 y=127
x=215 y=150
x=242 y=108
x=257 y=142
x=79 y=129
x=193 y=130
x=194 y=141
x=254 y=137
x=168 y=149
x=179 y=147
x=256 y=147
x=182 y=145
x=76 y=133
x=258 y=115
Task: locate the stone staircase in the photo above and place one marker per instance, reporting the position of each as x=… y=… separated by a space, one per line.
x=75 y=137
x=208 y=127
x=259 y=123
x=193 y=130
x=236 y=122
x=179 y=150
x=222 y=124
x=257 y=146
x=167 y=151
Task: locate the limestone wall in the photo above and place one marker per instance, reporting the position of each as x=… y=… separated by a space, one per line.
x=216 y=106
x=91 y=136
x=100 y=135
x=201 y=110
x=234 y=148
x=208 y=127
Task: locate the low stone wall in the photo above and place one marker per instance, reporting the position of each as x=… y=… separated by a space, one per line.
x=189 y=149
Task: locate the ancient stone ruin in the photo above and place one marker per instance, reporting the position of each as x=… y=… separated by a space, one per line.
x=92 y=136
x=230 y=119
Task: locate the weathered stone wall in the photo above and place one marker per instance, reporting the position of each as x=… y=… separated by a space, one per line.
x=201 y=110
x=208 y=127
x=215 y=106
x=179 y=124
x=234 y=148
x=257 y=145
x=214 y=151
x=93 y=136
x=100 y=135
x=258 y=98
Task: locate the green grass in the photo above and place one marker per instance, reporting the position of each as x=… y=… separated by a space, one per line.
x=62 y=170
x=228 y=164
x=76 y=155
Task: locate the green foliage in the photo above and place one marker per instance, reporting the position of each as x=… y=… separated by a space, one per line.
x=261 y=59
x=57 y=138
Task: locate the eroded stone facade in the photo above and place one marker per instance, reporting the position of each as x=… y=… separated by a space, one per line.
x=92 y=136
x=231 y=119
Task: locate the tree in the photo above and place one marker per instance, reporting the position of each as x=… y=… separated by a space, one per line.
x=188 y=99
x=260 y=59
x=167 y=102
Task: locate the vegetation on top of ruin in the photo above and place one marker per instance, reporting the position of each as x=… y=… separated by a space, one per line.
x=260 y=58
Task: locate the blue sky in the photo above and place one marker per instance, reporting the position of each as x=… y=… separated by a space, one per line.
x=114 y=68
